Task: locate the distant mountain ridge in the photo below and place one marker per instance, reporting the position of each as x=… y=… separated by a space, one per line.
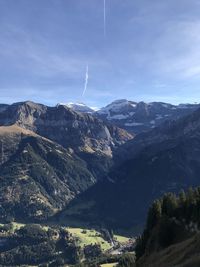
x=136 y=117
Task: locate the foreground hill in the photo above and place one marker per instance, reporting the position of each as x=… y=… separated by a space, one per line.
x=165 y=159
x=182 y=254
x=38 y=177
x=171 y=236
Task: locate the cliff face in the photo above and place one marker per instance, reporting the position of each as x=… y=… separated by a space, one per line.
x=81 y=132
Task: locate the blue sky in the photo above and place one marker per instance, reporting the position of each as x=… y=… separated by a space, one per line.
x=151 y=51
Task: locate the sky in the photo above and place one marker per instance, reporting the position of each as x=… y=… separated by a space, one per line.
x=59 y=51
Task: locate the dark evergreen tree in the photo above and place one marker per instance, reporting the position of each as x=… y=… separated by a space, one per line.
x=154 y=214
x=169 y=204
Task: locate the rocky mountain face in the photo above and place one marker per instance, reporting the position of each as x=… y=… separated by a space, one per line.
x=71 y=129
x=165 y=159
x=137 y=117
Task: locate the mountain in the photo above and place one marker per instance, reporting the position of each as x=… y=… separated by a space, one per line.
x=49 y=155
x=89 y=137
x=164 y=159
x=137 y=117
x=79 y=107
x=38 y=177
x=81 y=132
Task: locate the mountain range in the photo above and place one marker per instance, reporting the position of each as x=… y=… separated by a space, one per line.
x=81 y=166
x=137 y=117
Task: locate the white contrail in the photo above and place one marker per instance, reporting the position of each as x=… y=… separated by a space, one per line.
x=104 y=17
x=86 y=80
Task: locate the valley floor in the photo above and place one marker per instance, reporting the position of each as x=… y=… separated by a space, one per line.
x=17 y=238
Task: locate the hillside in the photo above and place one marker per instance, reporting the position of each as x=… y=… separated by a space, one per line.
x=183 y=254
x=38 y=177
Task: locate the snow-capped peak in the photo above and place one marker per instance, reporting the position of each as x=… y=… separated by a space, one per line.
x=80 y=107
x=118 y=106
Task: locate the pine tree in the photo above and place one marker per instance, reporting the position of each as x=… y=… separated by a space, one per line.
x=169 y=204
x=182 y=197
x=154 y=214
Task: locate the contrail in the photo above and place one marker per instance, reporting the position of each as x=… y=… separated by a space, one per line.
x=86 y=80
x=104 y=17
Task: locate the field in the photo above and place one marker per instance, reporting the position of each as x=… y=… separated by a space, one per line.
x=87 y=237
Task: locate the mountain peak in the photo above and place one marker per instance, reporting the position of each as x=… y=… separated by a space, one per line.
x=80 y=107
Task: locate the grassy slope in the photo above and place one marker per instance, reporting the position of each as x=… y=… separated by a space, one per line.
x=121 y=239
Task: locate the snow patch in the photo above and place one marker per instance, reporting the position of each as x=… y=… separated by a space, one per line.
x=118 y=117
x=129 y=124
x=80 y=107
x=165 y=105
x=117 y=106
x=159 y=117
